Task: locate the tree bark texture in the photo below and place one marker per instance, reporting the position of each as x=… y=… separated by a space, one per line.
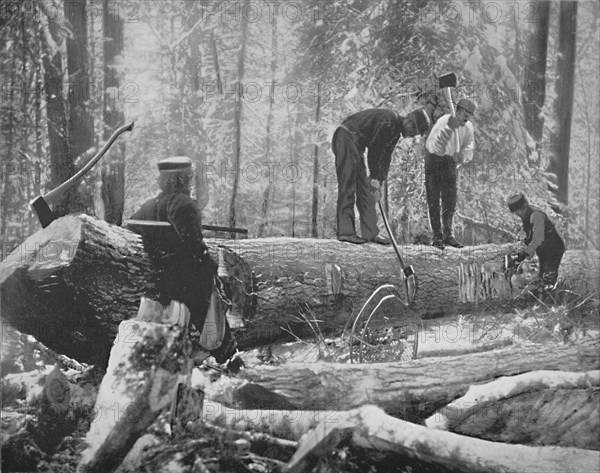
x=72 y=283
x=535 y=78
x=416 y=389
x=565 y=86
x=426 y=450
x=113 y=165
x=534 y=408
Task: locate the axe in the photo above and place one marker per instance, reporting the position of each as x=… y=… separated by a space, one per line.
x=410 y=283
x=41 y=204
x=446 y=81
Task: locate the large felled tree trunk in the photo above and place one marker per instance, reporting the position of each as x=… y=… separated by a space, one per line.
x=414 y=390
x=72 y=283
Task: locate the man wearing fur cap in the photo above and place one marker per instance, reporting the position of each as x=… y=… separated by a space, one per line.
x=377 y=129
x=541 y=238
x=187 y=271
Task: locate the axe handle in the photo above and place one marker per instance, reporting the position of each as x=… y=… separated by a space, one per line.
x=54 y=193
x=448 y=95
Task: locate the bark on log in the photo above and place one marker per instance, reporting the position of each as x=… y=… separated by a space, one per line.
x=295 y=278
x=414 y=390
x=72 y=283
x=536 y=408
x=139 y=384
x=425 y=449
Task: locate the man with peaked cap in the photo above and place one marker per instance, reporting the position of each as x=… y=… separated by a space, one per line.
x=186 y=269
x=441 y=170
x=541 y=238
x=377 y=129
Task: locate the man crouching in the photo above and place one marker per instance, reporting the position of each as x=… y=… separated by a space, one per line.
x=541 y=238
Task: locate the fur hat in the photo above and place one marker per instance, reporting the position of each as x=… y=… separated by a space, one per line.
x=175 y=164
x=515 y=202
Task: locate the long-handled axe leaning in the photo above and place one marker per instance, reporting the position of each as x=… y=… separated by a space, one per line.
x=410 y=284
x=445 y=82
x=41 y=204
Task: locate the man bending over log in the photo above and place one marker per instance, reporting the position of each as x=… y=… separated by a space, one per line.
x=377 y=129
x=541 y=238
x=187 y=272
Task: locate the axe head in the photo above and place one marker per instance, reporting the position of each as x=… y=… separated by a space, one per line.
x=447 y=80
x=43 y=211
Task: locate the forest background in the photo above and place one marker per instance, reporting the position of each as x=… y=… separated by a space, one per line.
x=253 y=90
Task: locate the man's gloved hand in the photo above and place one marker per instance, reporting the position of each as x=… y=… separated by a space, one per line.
x=375 y=189
x=521 y=255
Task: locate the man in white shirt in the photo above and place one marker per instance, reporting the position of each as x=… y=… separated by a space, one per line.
x=450 y=142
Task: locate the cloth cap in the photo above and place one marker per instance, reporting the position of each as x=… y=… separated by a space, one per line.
x=176 y=163
x=516 y=201
x=421 y=119
x=467 y=105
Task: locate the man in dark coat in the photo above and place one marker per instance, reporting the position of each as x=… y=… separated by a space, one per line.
x=541 y=238
x=377 y=129
x=178 y=251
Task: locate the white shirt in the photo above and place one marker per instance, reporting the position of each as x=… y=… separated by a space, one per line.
x=442 y=139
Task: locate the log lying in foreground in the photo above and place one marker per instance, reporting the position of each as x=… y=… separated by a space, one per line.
x=416 y=389
x=537 y=408
x=72 y=283
x=139 y=384
x=427 y=449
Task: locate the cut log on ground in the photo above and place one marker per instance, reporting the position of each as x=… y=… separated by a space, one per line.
x=416 y=389
x=425 y=449
x=139 y=384
x=537 y=408
x=72 y=283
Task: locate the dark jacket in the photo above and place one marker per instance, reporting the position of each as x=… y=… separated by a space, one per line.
x=377 y=129
x=179 y=252
x=552 y=242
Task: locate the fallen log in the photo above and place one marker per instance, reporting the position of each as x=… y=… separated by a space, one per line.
x=72 y=283
x=424 y=449
x=537 y=408
x=413 y=390
x=139 y=384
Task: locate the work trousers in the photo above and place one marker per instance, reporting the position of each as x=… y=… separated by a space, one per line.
x=440 y=183
x=353 y=187
x=549 y=264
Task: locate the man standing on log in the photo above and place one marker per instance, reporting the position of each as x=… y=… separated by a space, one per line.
x=542 y=238
x=447 y=148
x=186 y=269
x=377 y=129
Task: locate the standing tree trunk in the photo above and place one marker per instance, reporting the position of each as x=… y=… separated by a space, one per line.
x=535 y=73
x=264 y=211
x=238 y=125
x=565 y=83
x=71 y=121
x=61 y=166
x=315 y=194
x=113 y=168
x=8 y=167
